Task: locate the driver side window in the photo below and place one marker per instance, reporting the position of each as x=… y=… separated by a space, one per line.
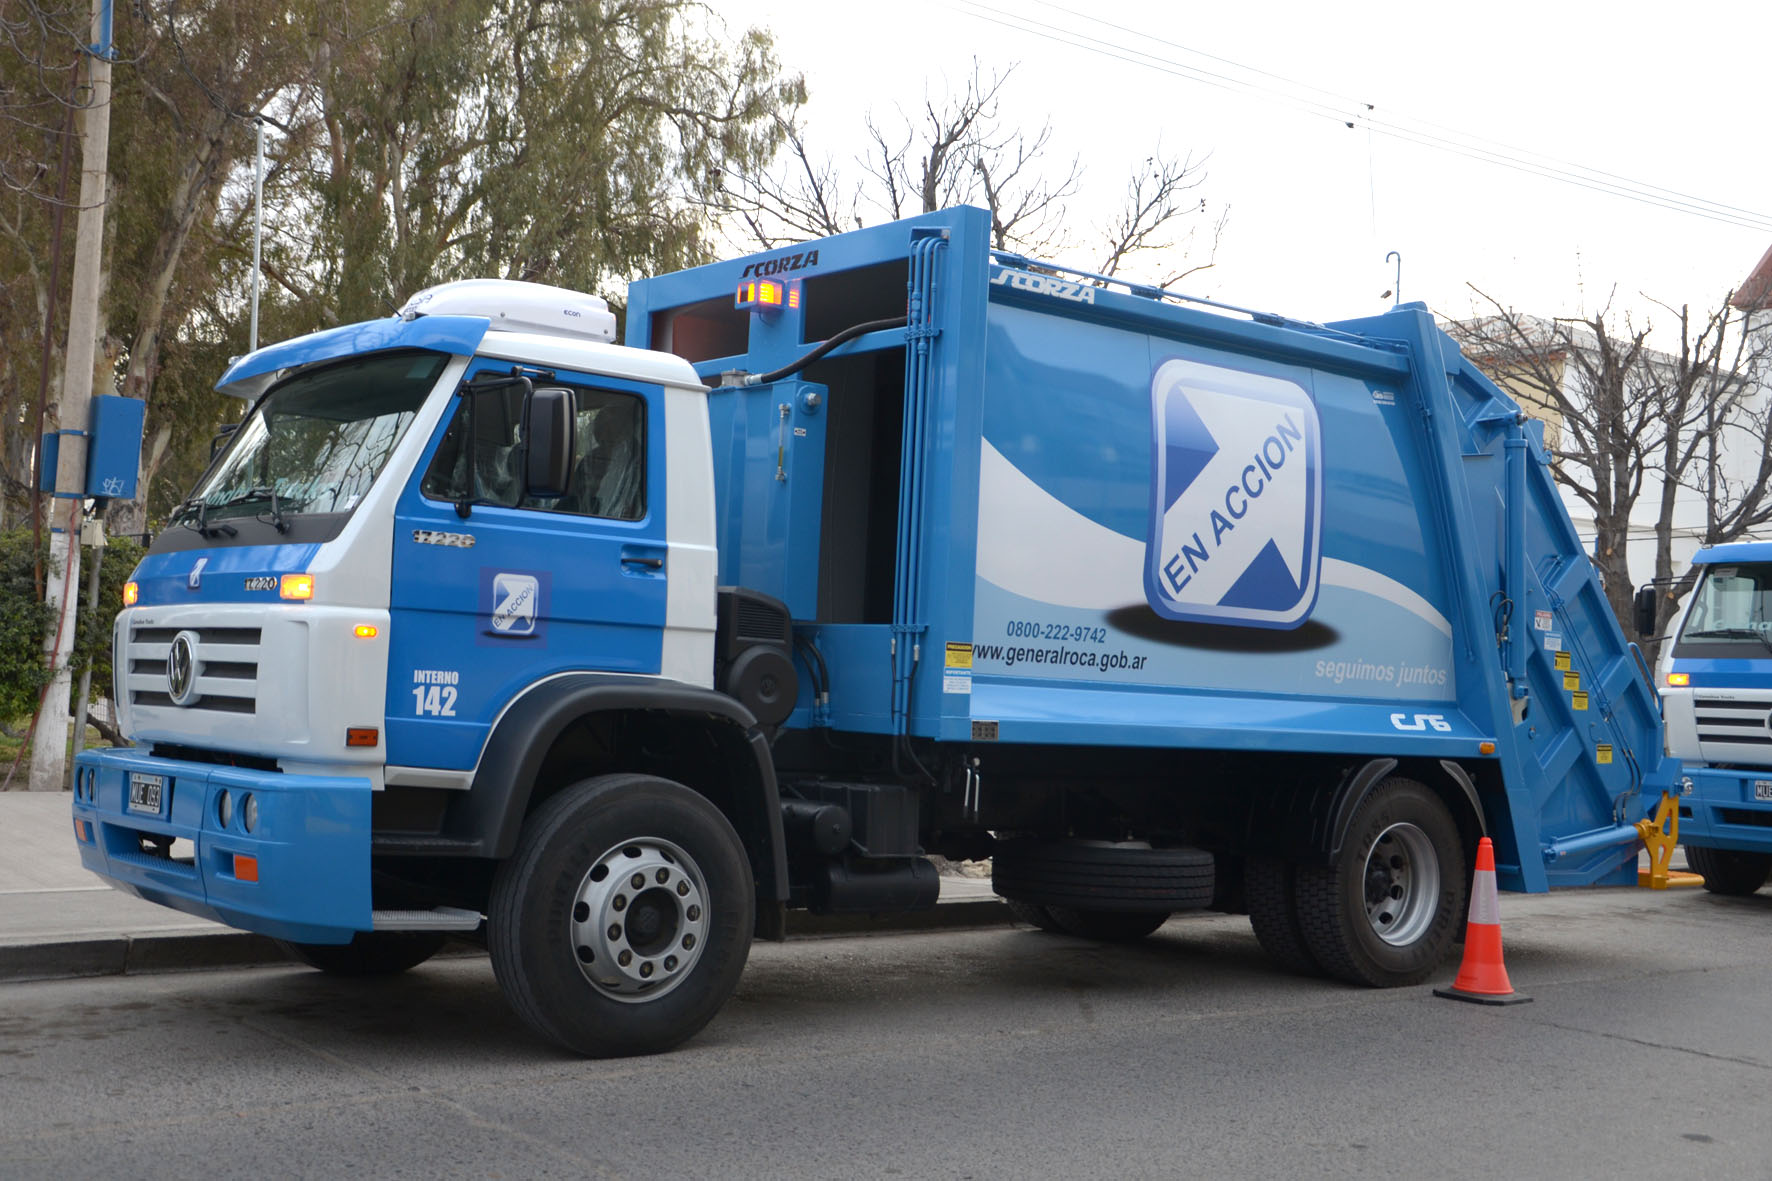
x=608 y=476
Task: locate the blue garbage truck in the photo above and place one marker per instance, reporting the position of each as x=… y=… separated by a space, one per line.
x=1716 y=674
x=880 y=548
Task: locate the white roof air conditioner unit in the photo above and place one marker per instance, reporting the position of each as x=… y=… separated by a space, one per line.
x=513 y=306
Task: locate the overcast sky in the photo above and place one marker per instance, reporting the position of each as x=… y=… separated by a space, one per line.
x=1659 y=95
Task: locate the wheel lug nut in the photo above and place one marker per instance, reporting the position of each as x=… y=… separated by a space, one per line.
x=638 y=881
x=620 y=903
x=662 y=876
x=646 y=969
x=688 y=942
x=615 y=930
x=682 y=889
x=670 y=963
x=694 y=914
x=625 y=958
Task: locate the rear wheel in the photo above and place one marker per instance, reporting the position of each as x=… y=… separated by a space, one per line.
x=1273 y=911
x=1033 y=916
x=1727 y=871
x=622 y=922
x=1387 y=910
x=369 y=953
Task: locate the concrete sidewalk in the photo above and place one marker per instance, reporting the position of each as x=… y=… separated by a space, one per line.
x=58 y=920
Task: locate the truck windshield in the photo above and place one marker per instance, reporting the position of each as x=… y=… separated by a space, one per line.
x=1731 y=613
x=315 y=443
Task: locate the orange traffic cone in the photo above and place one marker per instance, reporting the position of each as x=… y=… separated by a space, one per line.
x=1482 y=977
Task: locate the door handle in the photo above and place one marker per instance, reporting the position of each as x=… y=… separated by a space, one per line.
x=647 y=558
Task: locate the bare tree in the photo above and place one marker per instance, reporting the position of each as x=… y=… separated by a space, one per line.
x=1158 y=195
x=1643 y=434
x=961 y=149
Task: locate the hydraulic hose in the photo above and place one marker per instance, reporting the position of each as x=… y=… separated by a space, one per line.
x=843 y=337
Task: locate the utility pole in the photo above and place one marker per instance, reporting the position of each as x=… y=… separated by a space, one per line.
x=49 y=748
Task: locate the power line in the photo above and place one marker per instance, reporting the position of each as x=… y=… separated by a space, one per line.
x=1354 y=113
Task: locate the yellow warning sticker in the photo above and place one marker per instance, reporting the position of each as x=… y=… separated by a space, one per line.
x=1571 y=681
x=1603 y=753
x=1578 y=700
x=1562 y=661
x=959 y=655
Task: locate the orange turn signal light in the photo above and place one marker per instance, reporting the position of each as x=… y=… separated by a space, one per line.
x=362 y=736
x=1485 y=748
x=245 y=868
x=131 y=593
x=1679 y=680
x=366 y=631
x=296 y=586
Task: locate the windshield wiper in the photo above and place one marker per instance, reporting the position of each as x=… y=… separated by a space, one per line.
x=181 y=515
x=262 y=492
x=1732 y=633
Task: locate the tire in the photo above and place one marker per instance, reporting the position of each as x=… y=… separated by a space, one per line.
x=1108 y=926
x=369 y=953
x=602 y=966
x=1033 y=916
x=1387 y=911
x=1273 y=911
x=1102 y=876
x=1728 y=872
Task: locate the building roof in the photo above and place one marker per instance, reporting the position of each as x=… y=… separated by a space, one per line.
x=1755 y=292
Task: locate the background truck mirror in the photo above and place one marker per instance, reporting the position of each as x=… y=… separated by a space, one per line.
x=1643 y=611
x=550 y=435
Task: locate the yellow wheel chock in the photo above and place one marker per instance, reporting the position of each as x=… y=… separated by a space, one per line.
x=1660 y=834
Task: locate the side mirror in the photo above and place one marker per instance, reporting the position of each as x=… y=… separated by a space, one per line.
x=1643 y=610
x=222 y=436
x=548 y=460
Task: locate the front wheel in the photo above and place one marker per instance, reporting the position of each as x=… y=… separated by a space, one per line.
x=1728 y=871
x=1386 y=911
x=622 y=922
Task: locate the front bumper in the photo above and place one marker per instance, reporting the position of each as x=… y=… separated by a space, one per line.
x=1720 y=812
x=310 y=843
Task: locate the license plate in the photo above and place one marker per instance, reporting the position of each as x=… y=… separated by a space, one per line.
x=145 y=792
x=1763 y=789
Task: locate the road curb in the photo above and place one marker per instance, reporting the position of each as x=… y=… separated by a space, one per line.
x=121 y=955
x=127 y=955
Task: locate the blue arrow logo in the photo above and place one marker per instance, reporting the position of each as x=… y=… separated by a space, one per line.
x=1235 y=530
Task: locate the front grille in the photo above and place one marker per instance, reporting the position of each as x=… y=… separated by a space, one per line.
x=1738 y=723
x=226 y=668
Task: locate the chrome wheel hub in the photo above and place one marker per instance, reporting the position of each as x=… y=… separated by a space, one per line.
x=639 y=919
x=1402 y=884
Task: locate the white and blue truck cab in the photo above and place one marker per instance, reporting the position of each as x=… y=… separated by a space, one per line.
x=885 y=546
x=1716 y=676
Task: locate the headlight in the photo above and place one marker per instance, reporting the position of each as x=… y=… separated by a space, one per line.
x=224 y=808
x=249 y=812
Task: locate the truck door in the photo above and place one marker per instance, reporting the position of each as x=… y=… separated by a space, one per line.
x=523 y=588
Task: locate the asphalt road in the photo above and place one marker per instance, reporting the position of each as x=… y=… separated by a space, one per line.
x=994 y=1053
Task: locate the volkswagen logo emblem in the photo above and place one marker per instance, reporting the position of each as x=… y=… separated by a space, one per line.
x=181 y=668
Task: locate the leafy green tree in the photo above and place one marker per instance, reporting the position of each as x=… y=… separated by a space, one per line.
x=23 y=619
x=560 y=141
